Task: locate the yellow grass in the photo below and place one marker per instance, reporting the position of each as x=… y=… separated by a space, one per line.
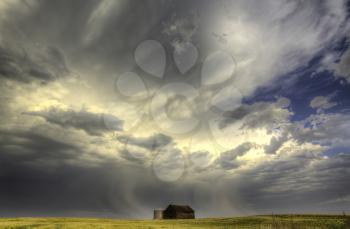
x=258 y=222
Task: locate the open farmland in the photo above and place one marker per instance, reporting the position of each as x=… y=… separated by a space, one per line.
x=258 y=222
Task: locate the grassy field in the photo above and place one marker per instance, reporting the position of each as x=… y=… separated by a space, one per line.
x=259 y=222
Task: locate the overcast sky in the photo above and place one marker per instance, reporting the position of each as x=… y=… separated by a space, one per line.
x=115 y=108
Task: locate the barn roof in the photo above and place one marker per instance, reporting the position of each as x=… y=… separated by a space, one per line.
x=180 y=208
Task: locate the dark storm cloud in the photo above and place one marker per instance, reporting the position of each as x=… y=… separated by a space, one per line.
x=43 y=64
x=141 y=149
x=91 y=31
x=98 y=38
x=23 y=146
x=303 y=183
x=233 y=116
x=228 y=159
x=49 y=184
x=92 y=123
x=200 y=160
x=150 y=143
x=46 y=177
x=257 y=115
x=37 y=175
x=42 y=175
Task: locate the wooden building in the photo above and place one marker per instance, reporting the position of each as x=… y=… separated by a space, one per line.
x=175 y=212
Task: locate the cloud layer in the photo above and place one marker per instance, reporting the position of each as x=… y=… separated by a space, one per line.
x=71 y=146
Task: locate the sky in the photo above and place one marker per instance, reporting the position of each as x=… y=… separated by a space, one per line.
x=115 y=108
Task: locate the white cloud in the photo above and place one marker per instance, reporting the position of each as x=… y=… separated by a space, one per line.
x=322 y=103
x=99 y=19
x=269 y=38
x=342 y=68
x=325 y=129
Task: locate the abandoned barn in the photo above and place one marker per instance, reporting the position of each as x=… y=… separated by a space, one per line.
x=175 y=212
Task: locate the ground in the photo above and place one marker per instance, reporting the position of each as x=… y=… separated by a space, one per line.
x=258 y=222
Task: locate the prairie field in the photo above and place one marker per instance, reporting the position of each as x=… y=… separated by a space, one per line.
x=250 y=222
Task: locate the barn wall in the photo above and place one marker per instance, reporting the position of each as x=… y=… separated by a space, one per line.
x=173 y=215
x=185 y=216
x=169 y=215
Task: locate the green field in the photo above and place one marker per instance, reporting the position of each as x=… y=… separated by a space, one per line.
x=259 y=222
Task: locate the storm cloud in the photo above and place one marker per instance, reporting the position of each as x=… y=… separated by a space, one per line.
x=92 y=123
x=71 y=145
x=46 y=65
